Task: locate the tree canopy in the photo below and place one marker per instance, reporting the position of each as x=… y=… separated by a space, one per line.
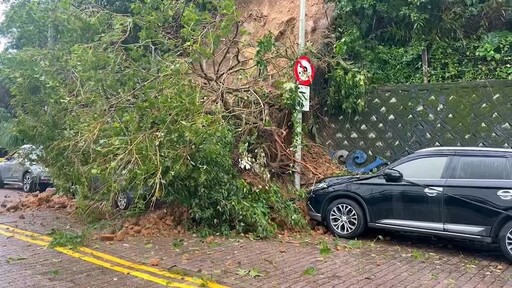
x=383 y=42
x=110 y=90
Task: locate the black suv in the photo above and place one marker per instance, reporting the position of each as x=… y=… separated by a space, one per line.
x=456 y=192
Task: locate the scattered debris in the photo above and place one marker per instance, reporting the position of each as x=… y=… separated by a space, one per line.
x=66 y=239
x=324 y=249
x=310 y=271
x=177 y=243
x=154 y=262
x=47 y=199
x=321 y=230
x=13 y=207
x=11 y=259
x=254 y=273
x=317 y=165
x=354 y=244
x=316 y=157
x=121 y=235
x=163 y=222
x=106 y=237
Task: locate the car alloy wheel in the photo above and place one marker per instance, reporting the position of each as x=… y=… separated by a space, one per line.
x=343 y=219
x=28 y=182
x=508 y=241
x=122 y=201
x=505 y=240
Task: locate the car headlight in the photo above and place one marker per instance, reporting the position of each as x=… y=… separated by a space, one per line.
x=318 y=186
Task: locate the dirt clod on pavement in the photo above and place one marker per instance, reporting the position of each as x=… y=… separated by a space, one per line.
x=160 y=222
x=106 y=237
x=154 y=262
x=47 y=199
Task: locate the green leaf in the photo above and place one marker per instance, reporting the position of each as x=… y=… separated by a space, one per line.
x=310 y=271
x=324 y=249
x=66 y=239
x=177 y=243
x=242 y=272
x=254 y=273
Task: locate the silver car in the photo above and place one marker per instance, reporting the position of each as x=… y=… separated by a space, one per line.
x=21 y=168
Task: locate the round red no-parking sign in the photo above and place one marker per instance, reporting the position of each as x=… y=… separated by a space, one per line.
x=304 y=71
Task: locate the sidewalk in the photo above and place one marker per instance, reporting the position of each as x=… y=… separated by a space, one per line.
x=242 y=262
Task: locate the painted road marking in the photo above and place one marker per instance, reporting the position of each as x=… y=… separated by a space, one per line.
x=119 y=260
x=44 y=240
x=99 y=262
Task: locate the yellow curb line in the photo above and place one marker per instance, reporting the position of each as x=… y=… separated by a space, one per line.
x=29 y=233
x=151 y=269
x=90 y=259
x=122 y=261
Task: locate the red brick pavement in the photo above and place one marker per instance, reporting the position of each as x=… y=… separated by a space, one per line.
x=376 y=264
x=403 y=261
x=27 y=265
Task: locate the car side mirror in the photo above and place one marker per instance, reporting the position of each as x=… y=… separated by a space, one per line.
x=392 y=175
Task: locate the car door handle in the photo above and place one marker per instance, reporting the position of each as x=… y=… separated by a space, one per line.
x=505 y=194
x=433 y=191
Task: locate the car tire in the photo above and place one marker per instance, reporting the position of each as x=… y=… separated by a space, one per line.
x=28 y=183
x=345 y=218
x=123 y=200
x=505 y=240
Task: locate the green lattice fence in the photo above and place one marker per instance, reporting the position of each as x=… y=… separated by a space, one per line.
x=405 y=118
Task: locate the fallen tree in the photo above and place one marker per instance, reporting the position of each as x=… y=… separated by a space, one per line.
x=162 y=97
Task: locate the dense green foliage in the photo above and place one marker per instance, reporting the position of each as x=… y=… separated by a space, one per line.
x=381 y=42
x=110 y=96
x=9 y=139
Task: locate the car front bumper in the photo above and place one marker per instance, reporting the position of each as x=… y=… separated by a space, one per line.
x=43 y=179
x=313 y=214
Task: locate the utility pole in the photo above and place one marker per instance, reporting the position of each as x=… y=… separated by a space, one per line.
x=298 y=111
